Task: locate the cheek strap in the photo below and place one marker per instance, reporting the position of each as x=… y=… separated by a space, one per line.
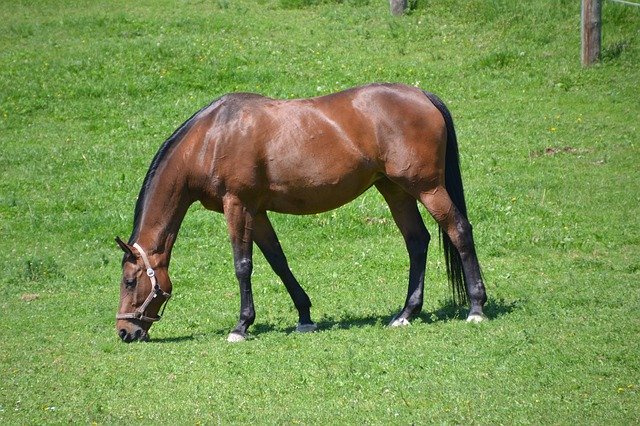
x=156 y=291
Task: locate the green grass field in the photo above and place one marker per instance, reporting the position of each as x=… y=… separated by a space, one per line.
x=550 y=155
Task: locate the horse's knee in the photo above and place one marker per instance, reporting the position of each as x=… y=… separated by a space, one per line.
x=243 y=268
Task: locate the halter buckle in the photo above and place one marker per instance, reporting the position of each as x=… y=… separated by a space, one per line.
x=150 y=272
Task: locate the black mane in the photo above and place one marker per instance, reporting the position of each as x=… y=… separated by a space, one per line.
x=177 y=135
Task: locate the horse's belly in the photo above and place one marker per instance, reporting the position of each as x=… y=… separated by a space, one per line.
x=317 y=195
x=323 y=200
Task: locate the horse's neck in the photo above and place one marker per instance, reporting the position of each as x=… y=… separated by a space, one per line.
x=163 y=208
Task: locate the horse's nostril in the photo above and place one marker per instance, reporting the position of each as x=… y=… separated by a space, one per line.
x=125 y=336
x=137 y=335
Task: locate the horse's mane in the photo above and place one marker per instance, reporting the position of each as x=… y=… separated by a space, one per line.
x=177 y=136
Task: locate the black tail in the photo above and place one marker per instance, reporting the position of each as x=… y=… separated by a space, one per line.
x=453 y=183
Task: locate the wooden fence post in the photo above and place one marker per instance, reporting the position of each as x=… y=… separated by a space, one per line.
x=591 y=31
x=398 y=7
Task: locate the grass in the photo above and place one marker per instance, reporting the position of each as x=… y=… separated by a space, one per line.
x=89 y=90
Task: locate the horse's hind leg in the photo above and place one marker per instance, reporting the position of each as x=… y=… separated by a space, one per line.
x=266 y=239
x=458 y=229
x=405 y=213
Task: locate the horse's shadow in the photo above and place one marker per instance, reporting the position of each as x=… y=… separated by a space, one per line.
x=173 y=339
x=493 y=309
x=448 y=312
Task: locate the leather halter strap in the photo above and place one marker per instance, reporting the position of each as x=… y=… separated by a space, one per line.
x=139 y=314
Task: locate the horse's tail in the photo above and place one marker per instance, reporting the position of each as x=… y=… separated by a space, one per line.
x=453 y=183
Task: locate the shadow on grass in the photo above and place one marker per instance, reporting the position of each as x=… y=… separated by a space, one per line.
x=493 y=309
x=174 y=339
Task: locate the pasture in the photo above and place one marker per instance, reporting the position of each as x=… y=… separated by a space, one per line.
x=550 y=156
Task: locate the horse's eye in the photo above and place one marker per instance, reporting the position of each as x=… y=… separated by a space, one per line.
x=130 y=283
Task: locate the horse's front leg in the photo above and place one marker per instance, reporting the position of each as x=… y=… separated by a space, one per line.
x=239 y=223
x=268 y=243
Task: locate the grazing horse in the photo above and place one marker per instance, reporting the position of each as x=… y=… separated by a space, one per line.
x=246 y=154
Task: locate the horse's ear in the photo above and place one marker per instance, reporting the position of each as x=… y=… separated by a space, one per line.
x=125 y=247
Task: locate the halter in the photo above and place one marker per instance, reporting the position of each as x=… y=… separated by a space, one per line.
x=139 y=314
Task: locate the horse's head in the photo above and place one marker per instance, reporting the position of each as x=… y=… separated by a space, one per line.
x=144 y=288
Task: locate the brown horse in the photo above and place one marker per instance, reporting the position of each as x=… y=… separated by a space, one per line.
x=245 y=154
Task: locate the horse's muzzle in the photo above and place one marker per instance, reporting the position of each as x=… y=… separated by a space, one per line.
x=138 y=335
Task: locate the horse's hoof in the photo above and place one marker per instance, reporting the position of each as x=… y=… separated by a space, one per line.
x=236 y=337
x=399 y=322
x=306 y=328
x=476 y=318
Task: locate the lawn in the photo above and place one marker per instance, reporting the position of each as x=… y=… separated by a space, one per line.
x=550 y=151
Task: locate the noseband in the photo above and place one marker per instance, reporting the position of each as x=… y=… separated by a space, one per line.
x=139 y=314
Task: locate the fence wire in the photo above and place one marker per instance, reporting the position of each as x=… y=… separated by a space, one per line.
x=626 y=2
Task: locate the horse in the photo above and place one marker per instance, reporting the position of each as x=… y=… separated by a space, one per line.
x=245 y=154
